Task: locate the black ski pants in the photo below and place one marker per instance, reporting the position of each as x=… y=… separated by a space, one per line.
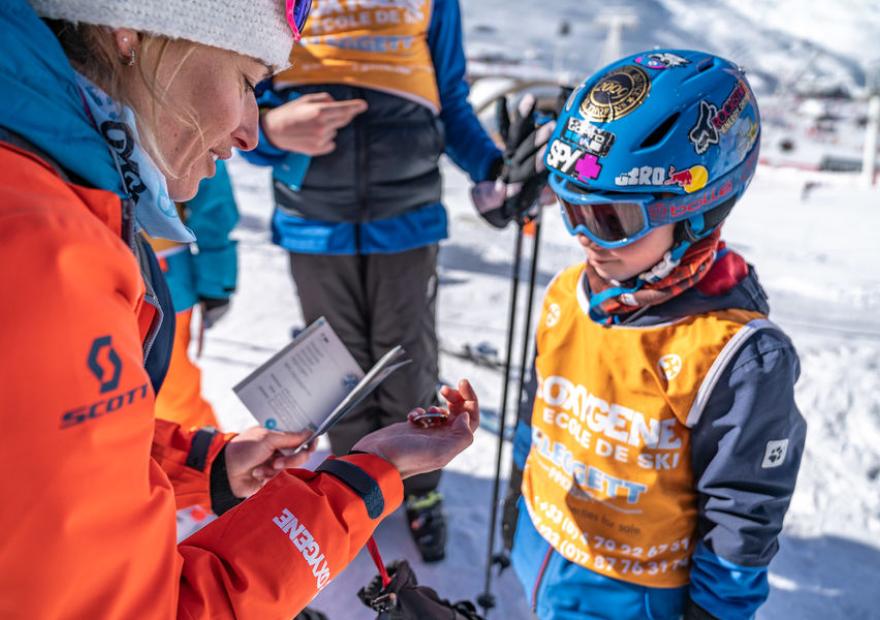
x=375 y=302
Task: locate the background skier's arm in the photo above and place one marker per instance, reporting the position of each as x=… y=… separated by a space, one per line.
x=467 y=142
x=212 y=215
x=743 y=496
x=266 y=153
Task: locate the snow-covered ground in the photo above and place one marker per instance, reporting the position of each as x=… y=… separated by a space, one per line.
x=818 y=259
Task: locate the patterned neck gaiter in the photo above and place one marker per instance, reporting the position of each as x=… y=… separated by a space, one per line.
x=610 y=301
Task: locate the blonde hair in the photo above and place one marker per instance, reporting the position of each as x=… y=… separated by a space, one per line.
x=92 y=50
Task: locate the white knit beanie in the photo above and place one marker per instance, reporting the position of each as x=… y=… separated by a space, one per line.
x=256 y=28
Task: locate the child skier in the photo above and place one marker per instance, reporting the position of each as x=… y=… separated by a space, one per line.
x=661 y=453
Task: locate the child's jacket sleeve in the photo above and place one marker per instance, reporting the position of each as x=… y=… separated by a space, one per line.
x=746 y=452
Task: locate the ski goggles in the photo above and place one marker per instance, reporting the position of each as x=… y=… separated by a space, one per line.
x=609 y=222
x=297 y=13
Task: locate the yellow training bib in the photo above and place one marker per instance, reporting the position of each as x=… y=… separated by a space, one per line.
x=608 y=480
x=378 y=44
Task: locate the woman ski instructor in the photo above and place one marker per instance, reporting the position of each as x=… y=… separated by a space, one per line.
x=111 y=111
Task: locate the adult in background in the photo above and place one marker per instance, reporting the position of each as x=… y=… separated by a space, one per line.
x=354 y=132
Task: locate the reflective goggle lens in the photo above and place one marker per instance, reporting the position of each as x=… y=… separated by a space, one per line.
x=297 y=12
x=609 y=221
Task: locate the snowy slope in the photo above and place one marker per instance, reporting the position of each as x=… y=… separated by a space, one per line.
x=819 y=262
x=776 y=40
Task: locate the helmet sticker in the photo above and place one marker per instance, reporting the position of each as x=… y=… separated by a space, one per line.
x=596 y=141
x=731 y=108
x=746 y=135
x=567 y=157
x=713 y=120
x=691 y=179
x=704 y=133
x=662 y=60
x=617 y=94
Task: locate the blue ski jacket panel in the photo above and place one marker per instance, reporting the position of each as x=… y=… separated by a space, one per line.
x=740 y=512
x=413 y=215
x=208 y=269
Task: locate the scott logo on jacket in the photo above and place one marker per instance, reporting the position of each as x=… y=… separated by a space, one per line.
x=306 y=544
x=105 y=364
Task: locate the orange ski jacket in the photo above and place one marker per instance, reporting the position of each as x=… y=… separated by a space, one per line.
x=93 y=479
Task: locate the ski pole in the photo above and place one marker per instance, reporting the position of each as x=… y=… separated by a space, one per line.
x=486 y=600
x=502 y=558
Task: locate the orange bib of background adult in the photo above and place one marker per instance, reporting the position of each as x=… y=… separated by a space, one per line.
x=378 y=44
x=608 y=480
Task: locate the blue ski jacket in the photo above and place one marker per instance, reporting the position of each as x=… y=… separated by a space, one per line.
x=207 y=269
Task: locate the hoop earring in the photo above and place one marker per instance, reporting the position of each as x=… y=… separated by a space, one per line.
x=131 y=58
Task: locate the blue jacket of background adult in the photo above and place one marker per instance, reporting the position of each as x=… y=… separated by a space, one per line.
x=739 y=519
x=208 y=269
x=403 y=226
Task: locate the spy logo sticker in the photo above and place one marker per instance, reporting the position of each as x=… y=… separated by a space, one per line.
x=617 y=94
x=563 y=156
x=774 y=453
x=704 y=133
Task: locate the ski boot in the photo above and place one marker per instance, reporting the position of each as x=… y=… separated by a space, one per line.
x=427 y=525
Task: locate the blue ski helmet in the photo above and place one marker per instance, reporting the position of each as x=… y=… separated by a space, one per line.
x=675 y=132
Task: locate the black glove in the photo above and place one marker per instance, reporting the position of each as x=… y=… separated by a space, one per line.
x=510 y=512
x=405 y=599
x=213 y=310
x=520 y=176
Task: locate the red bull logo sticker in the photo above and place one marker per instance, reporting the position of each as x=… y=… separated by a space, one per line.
x=691 y=179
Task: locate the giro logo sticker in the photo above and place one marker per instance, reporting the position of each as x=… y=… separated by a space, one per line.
x=704 y=133
x=691 y=179
x=670 y=366
x=644 y=175
x=774 y=453
x=617 y=94
x=583 y=133
x=105 y=368
x=662 y=60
